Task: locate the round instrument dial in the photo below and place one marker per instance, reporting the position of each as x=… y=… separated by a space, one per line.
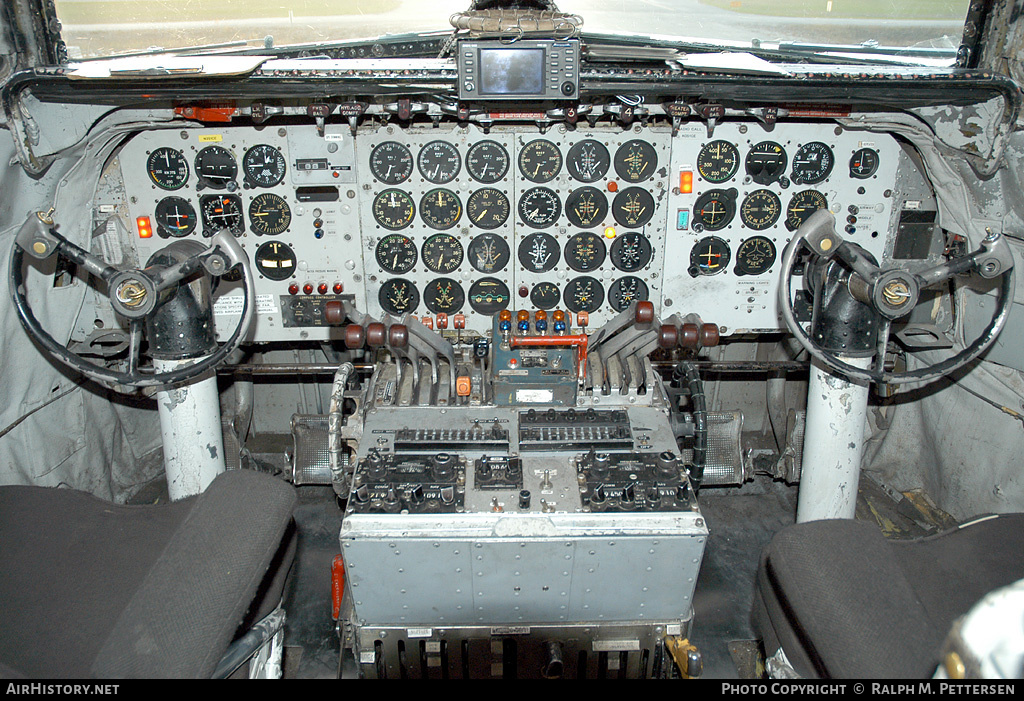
x=588 y=160
x=863 y=163
x=444 y=296
x=540 y=161
x=440 y=209
x=812 y=163
x=755 y=256
x=175 y=217
x=625 y=291
x=275 y=260
x=391 y=162
x=488 y=208
x=633 y=207
x=222 y=212
x=718 y=161
x=489 y=296
x=442 y=253
x=760 y=209
x=766 y=162
x=393 y=209
x=396 y=253
x=584 y=252
x=439 y=162
x=631 y=252
x=539 y=253
x=709 y=256
x=545 y=295
x=714 y=209
x=264 y=166
x=167 y=168
x=488 y=253
x=539 y=207
x=269 y=214
x=583 y=294
x=398 y=296
x=216 y=168
x=487 y=161
x=586 y=207
x=802 y=205
x=636 y=161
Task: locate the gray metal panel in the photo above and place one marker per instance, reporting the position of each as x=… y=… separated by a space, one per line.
x=420 y=581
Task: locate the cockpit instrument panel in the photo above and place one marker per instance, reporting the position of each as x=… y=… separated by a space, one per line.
x=454 y=219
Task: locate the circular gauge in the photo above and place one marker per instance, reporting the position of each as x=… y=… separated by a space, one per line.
x=802 y=205
x=539 y=207
x=488 y=208
x=760 y=209
x=709 y=256
x=631 y=252
x=586 y=207
x=175 y=217
x=539 y=253
x=439 y=162
x=812 y=163
x=398 y=296
x=625 y=291
x=718 y=161
x=766 y=162
x=275 y=260
x=755 y=256
x=489 y=296
x=488 y=253
x=440 y=209
x=863 y=163
x=391 y=162
x=584 y=252
x=636 y=161
x=633 y=207
x=540 y=161
x=583 y=294
x=487 y=161
x=714 y=209
x=269 y=214
x=167 y=168
x=396 y=253
x=216 y=168
x=442 y=253
x=588 y=160
x=444 y=296
x=545 y=295
x=393 y=209
x=263 y=166
x=222 y=212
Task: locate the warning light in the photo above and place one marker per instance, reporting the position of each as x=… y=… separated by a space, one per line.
x=145 y=227
x=609 y=232
x=685 y=182
x=613 y=186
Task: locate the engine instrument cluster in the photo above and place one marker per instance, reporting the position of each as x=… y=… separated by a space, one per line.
x=452 y=220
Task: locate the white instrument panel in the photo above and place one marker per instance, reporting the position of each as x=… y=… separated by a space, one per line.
x=454 y=220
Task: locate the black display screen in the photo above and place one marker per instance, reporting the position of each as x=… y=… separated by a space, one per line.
x=511 y=71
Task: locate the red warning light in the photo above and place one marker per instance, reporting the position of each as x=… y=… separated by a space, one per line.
x=145 y=227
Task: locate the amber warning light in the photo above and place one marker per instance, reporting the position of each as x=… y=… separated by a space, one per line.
x=145 y=227
x=685 y=182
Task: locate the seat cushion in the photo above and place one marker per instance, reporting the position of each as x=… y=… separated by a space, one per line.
x=91 y=588
x=844 y=602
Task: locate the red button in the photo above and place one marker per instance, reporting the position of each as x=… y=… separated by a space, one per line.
x=293 y=289
x=308 y=288
x=338 y=288
x=322 y=288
